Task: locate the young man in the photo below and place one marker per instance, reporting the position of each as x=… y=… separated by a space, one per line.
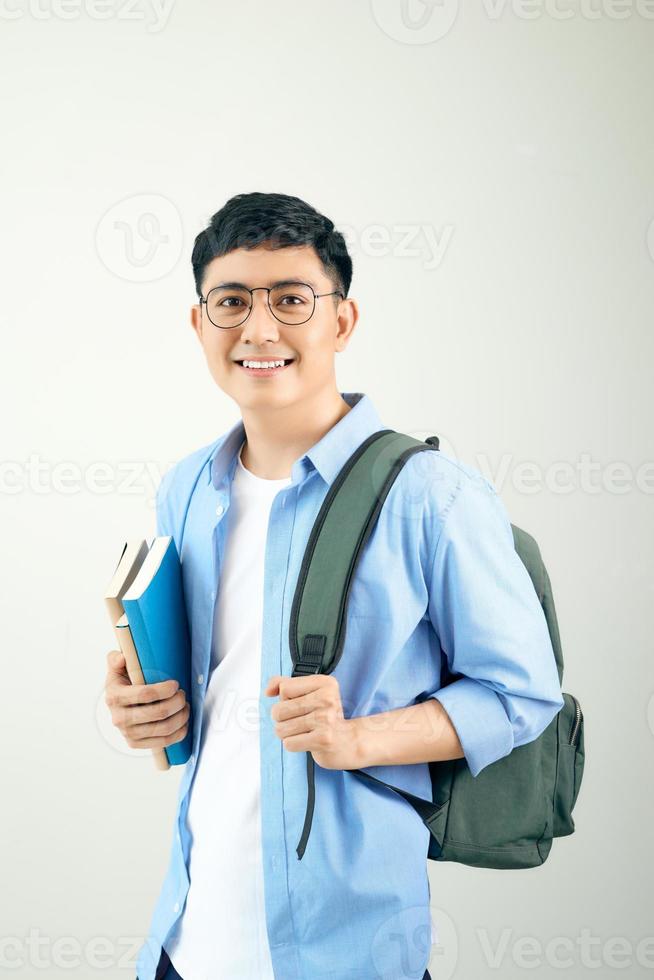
x=437 y=579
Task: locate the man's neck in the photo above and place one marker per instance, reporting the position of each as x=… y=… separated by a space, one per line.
x=276 y=439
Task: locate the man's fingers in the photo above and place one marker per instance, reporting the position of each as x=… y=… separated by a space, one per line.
x=120 y=690
x=160 y=742
x=127 y=715
x=147 y=693
x=163 y=728
x=157 y=712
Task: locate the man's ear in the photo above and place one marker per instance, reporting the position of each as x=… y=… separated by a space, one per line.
x=196 y=320
x=346 y=319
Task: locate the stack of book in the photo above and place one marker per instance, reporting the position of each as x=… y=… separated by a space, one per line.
x=145 y=602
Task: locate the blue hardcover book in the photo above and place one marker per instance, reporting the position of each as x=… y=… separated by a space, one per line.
x=156 y=612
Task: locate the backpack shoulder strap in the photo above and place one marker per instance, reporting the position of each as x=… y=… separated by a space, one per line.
x=529 y=553
x=341 y=529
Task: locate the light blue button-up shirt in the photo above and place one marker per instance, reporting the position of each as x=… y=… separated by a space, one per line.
x=438 y=579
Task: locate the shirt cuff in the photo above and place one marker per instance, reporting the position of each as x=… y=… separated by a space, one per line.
x=481 y=723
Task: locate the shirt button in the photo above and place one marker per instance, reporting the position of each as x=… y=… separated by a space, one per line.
x=192 y=760
x=219 y=510
x=200 y=678
x=273 y=861
x=176 y=907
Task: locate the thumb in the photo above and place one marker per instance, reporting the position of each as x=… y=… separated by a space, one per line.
x=272 y=689
x=118 y=667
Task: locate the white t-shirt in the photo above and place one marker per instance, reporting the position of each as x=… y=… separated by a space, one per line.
x=222 y=931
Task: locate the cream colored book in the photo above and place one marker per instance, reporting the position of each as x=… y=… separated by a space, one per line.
x=129 y=565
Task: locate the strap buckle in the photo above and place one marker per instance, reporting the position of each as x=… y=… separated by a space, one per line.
x=313 y=649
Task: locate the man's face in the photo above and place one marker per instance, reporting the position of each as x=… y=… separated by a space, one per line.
x=311 y=345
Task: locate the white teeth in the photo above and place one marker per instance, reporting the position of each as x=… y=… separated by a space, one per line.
x=263 y=364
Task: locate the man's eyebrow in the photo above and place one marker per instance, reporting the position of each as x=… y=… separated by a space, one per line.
x=279 y=282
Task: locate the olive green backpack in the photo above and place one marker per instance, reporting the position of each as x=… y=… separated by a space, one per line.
x=507 y=815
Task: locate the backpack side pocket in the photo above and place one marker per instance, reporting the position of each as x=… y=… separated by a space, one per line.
x=569 y=765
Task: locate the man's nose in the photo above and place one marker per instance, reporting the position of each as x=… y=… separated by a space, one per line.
x=260 y=324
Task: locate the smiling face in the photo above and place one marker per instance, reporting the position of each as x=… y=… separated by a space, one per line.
x=310 y=346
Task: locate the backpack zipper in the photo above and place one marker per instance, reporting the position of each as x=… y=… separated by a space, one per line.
x=576 y=723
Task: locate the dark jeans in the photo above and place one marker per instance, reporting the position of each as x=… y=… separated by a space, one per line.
x=166 y=970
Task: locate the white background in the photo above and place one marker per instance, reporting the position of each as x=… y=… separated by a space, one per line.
x=521 y=139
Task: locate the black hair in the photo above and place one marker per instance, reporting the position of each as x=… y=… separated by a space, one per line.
x=278 y=220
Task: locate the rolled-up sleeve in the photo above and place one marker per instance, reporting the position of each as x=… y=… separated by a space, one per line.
x=492 y=630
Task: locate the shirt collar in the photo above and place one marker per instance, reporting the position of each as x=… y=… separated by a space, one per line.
x=327 y=456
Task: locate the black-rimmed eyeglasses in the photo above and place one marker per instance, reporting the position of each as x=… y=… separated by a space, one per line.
x=289 y=302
